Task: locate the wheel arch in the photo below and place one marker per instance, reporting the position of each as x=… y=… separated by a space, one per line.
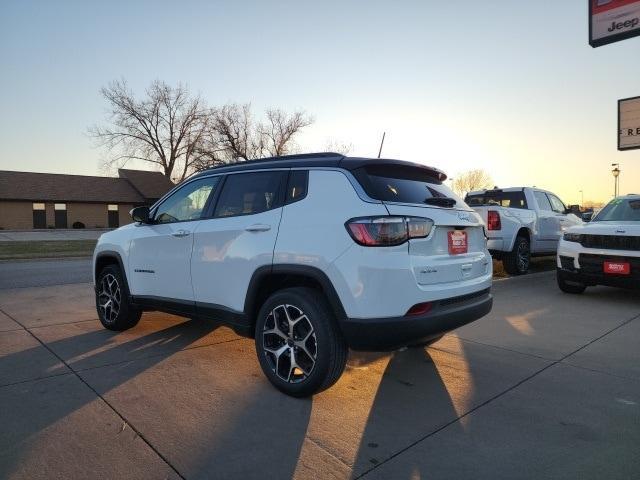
x=271 y=278
x=109 y=257
x=521 y=232
x=524 y=232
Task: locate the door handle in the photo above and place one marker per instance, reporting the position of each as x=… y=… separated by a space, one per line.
x=180 y=233
x=258 y=227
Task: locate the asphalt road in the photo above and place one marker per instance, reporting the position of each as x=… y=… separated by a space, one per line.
x=40 y=273
x=545 y=386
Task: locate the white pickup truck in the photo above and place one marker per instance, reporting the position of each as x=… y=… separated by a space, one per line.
x=521 y=222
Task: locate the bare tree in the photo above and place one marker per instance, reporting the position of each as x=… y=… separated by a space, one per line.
x=333 y=145
x=232 y=135
x=279 y=130
x=165 y=128
x=472 y=180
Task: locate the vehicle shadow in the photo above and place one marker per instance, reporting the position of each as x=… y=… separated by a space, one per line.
x=31 y=407
x=412 y=401
x=263 y=433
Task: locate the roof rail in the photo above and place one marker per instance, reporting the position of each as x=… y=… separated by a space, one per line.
x=298 y=156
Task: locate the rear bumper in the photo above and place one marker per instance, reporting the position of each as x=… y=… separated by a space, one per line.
x=496 y=244
x=384 y=334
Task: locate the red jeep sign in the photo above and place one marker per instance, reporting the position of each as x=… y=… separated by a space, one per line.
x=613 y=20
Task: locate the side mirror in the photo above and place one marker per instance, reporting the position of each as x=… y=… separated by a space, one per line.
x=586 y=217
x=140 y=214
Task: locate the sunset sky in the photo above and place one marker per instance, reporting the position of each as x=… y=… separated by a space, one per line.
x=508 y=86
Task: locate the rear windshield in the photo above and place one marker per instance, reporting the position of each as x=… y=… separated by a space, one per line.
x=402 y=184
x=620 y=210
x=496 y=198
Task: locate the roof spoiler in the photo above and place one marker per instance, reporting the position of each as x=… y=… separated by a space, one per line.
x=351 y=163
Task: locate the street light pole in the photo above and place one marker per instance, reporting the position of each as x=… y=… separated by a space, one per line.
x=616 y=178
x=581 y=199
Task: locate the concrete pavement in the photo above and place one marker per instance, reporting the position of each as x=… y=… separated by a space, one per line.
x=546 y=386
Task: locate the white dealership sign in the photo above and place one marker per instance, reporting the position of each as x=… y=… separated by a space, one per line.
x=613 y=20
x=629 y=123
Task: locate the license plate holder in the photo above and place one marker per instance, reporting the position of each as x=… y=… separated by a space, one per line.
x=457 y=242
x=617 y=268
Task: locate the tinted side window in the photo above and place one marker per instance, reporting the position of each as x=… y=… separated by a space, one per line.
x=556 y=204
x=543 y=201
x=250 y=193
x=297 y=186
x=187 y=203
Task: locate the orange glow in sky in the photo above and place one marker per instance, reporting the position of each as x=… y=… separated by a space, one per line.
x=514 y=89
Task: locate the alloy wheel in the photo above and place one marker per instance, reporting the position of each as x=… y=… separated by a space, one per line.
x=289 y=342
x=109 y=298
x=523 y=257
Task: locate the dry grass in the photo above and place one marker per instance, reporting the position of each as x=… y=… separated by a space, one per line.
x=498 y=270
x=46 y=249
x=538 y=264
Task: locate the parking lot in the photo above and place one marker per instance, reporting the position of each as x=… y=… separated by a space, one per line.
x=546 y=386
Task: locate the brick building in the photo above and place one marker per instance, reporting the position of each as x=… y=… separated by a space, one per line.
x=48 y=200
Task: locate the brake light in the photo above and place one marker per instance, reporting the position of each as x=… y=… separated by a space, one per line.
x=493 y=220
x=387 y=231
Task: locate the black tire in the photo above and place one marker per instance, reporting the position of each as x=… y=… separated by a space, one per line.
x=516 y=262
x=323 y=337
x=112 y=291
x=575 y=288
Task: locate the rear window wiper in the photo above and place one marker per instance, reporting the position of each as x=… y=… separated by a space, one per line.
x=440 y=201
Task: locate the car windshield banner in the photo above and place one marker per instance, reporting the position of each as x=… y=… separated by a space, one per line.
x=613 y=20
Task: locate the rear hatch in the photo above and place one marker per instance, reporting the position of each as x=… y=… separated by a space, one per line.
x=455 y=248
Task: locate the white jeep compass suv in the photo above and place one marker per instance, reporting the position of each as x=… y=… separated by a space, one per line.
x=308 y=254
x=605 y=251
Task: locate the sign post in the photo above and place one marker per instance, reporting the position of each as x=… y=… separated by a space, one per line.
x=629 y=123
x=613 y=20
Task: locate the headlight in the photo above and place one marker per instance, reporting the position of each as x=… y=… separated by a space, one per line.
x=573 y=237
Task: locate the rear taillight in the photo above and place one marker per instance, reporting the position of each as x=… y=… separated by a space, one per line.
x=387 y=231
x=493 y=220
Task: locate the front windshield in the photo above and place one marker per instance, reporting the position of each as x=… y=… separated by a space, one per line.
x=620 y=210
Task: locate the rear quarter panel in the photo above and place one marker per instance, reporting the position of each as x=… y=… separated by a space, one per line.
x=512 y=220
x=312 y=230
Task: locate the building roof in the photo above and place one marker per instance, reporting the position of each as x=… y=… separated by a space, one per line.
x=53 y=187
x=151 y=185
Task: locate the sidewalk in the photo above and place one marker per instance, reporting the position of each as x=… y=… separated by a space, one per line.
x=49 y=235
